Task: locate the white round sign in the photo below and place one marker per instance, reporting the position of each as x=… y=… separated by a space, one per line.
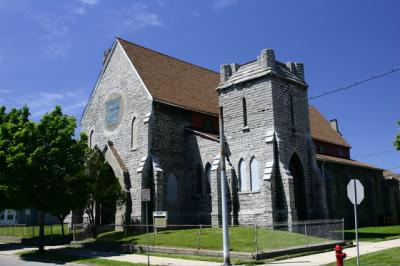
x=355 y=188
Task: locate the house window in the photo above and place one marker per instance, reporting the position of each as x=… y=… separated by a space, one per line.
x=244 y=184
x=172 y=189
x=321 y=149
x=27 y=216
x=134 y=133
x=208 y=178
x=112 y=111
x=244 y=109
x=2 y=213
x=255 y=180
x=10 y=215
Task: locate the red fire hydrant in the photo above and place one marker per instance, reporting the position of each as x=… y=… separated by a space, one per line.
x=339 y=255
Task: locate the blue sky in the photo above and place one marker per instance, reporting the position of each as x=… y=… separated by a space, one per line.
x=51 y=52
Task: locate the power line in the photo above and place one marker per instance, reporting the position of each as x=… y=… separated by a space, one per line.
x=396 y=167
x=376 y=76
x=375 y=154
x=304 y=99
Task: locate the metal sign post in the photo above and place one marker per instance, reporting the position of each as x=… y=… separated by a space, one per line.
x=146 y=197
x=224 y=207
x=355 y=193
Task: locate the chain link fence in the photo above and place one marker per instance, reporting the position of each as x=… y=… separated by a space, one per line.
x=21 y=231
x=252 y=238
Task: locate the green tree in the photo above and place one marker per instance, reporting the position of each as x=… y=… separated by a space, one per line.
x=42 y=164
x=17 y=142
x=74 y=185
x=55 y=165
x=397 y=140
x=105 y=188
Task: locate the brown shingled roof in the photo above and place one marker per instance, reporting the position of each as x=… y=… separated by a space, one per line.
x=321 y=129
x=185 y=85
x=328 y=158
x=174 y=81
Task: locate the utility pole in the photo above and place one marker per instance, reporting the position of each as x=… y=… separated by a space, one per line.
x=224 y=204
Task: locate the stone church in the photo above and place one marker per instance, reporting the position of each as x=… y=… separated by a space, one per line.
x=155 y=118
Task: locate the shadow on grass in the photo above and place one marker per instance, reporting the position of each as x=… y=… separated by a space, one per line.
x=13 y=246
x=49 y=256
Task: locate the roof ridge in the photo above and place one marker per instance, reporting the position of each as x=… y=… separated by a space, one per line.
x=160 y=53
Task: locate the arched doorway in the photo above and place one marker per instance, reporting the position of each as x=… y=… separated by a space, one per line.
x=296 y=170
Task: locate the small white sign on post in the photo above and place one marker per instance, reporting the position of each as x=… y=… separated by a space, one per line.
x=351 y=192
x=146 y=194
x=146 y=197
x=160 y=219
x=355 y=193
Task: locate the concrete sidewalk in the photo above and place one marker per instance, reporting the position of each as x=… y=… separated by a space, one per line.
x=329 y=257
x=135 y=258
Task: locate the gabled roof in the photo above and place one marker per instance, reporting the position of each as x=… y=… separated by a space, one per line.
x=322 y=130
x=173 y=81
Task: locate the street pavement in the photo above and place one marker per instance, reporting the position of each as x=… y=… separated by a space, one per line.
x=8 y=257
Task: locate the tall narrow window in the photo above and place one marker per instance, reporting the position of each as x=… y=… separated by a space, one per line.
x=91 y=139
x=291 y=111
x=199 y=180
x=208 y=178
x=255 y=180
x=244 y=108
x=244 y=184
x=134 y=133
x=172 y=189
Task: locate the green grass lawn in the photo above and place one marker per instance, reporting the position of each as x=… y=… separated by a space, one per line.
x=51 y=256
x=376 y=233
x=28 y=231
x=386 y=257
x=241 y=239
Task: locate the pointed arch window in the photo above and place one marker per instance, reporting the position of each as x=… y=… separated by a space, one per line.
x=208 y=178
x=172 y=189
x=91 y=139
x=244 y=184
x=134 y=133
x=254 y=175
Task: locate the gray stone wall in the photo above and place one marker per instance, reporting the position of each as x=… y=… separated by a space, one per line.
x=180 y=152
x=120 y=78
x=294 y=138
x=248 y=142
x=200 y=152
x=276 y=101
x=373 y=210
